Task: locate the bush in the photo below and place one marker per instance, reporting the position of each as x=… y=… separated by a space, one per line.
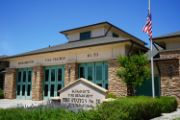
x=167 y=104
x=131 y=108
x=1 y=94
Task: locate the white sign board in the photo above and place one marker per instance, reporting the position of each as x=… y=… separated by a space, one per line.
x=82 y=94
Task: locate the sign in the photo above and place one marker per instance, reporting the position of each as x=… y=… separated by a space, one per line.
x=82 y=94
x=70 y=56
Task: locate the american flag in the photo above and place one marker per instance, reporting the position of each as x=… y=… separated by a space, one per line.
x=148 y=27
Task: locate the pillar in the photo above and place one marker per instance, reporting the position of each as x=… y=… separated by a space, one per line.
x=71 y=73
x=37 y=83
x=10 y=83
x=116 y=85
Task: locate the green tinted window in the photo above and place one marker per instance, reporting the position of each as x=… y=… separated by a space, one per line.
x=98 y=72
x=90 y=73
x=85 y=35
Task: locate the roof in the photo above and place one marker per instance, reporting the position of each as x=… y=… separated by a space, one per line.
x=76 y=44
x=173 y=34
x=3 y=56
x=85 y=43
x=104 y=23
x=87 y=82
x=165 y=59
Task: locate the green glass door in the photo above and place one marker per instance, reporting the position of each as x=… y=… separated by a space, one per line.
x=24 y=84
x=54 y=81
x=97 y=72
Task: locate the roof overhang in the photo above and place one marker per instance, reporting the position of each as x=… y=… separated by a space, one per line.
x=105 y=24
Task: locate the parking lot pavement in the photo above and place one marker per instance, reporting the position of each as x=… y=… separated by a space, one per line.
x=12 y=103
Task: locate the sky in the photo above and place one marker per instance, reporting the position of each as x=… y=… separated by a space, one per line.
x=27 y=25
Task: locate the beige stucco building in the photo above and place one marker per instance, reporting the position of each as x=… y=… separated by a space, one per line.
x=90 y=53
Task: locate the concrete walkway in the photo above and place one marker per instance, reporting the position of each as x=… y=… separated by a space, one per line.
x=169 y=116
x=8 y=103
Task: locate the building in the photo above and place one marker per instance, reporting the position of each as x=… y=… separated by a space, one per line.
x=3 y=66
x=168 y=64
x=90 y=53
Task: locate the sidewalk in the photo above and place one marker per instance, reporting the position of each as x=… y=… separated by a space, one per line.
x=8 y=103
x=169 y=116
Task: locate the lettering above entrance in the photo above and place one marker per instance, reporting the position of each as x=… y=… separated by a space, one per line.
x=64 y=57
x=82 y=94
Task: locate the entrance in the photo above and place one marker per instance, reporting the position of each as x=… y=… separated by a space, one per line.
x=23 y=86
x=53 y=81
x=146 y=87
x=95 y=72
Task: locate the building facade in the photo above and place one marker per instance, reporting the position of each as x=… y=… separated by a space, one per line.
x=90 y=53
x=168 y=64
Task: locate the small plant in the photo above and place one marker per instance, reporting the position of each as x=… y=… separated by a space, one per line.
x=1 y=94
x=133 y=71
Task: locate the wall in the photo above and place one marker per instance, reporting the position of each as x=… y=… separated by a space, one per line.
x=94 y=33
x=170 y=74
x=172 y=43
x=88 y=54
x=116 y=85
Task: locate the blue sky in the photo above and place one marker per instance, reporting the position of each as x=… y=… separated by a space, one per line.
x=27 y=25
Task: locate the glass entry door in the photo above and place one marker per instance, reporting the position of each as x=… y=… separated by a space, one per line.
x=23 y=83
x=96 y=72
x=54 y=81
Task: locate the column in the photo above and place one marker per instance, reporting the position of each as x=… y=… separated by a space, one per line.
x=37 y=83
x=71 y=73
x=10 y=83
x=116 y=85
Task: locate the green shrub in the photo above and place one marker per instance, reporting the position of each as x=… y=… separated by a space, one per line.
x=131 y=108
x=167 y=104
x=1 y=94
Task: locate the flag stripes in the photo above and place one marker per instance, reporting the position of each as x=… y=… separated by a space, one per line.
x=148 y=26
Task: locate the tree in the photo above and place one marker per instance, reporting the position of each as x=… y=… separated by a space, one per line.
x=133 y=71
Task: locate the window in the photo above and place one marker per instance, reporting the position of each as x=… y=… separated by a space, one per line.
x=29 y=76
x=24 y=76
x=53 y=81
x=82 y=74
x=53 y=75
x=19 y=76
x=46 y=75
x=90 y=73
x=115 y=35
x=96 y=72
x=59 y=74
x=85 y=35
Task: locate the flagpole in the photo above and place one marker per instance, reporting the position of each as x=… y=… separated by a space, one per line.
x=151 y=48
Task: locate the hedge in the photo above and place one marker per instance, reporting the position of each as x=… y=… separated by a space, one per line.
x=127 y=108
x=137 y=108
x=1 y=94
